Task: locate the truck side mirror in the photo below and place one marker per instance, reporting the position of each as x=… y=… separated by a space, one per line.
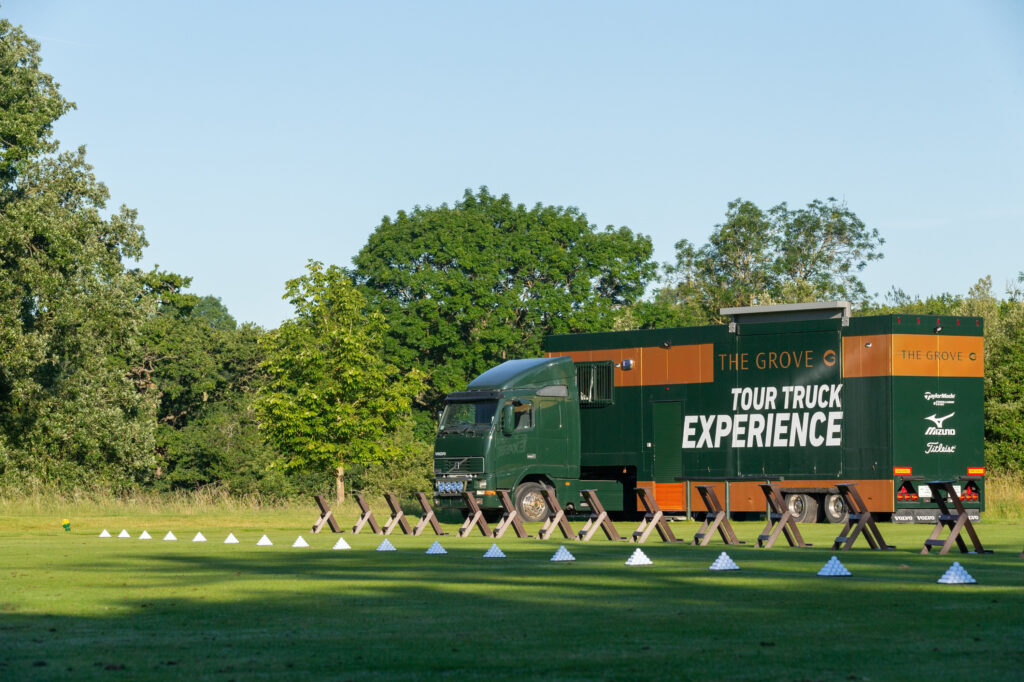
x=508 y=420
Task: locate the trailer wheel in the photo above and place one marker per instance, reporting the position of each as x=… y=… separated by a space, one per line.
x=835 y=509
x=530 y=502
x=804 y=508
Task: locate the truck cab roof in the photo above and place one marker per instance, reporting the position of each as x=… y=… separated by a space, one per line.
x=529 y=373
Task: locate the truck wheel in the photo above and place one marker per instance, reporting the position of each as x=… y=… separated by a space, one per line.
x=530 y=503
x=804 y=508
x=835 y=509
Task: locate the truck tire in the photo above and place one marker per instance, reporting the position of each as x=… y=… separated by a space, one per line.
x=835 y=509
x=530 y=502
x=804 y=508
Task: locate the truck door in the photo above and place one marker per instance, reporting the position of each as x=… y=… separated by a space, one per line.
x=667 y=428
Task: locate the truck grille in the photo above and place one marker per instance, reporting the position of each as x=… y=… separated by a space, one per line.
x=458 y=465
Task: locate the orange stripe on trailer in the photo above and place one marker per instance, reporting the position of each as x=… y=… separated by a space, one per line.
x=902 y=471
x=654 y=365
x=867 y=356
x=975 y=471
x=913 y=355
x=669 y=495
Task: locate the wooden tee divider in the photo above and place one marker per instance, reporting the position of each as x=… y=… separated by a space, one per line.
x=428 y=517
x=653 y=519
x=943 y=491
x=509 y=517
x=599 y=519
x=556 y=517
x=366 y=517
x=326 y=516
x=779 y=519
x=858 y=511
x=397 y=516
x=716 y=519
x=474 y=518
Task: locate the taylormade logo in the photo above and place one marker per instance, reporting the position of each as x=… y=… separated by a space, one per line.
x=937 y=430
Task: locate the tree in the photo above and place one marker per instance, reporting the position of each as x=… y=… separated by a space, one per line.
x=205 y=371
x=467 y=286
x=69 y=309
x=1004 y=372
x=775 y=256
x=333 y=399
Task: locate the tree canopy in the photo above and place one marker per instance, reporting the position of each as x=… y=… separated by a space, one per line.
x=70 y=310
x=333 y=398
x=466 y=286
x=774 y=256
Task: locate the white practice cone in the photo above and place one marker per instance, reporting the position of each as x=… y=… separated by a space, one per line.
x=264 y=542
x=638 y=558
x=199 y=538
x=341 y=544
x=106 y=534
x=123 y=534
x=170 y=536
x=494 y=553
x=386 y=546
x=231 y=539
x=145 y=535
x=436 y=548
x=834 y=568
x=956 y=575
x=724 y=562
x=563 y=555
x=299 y=542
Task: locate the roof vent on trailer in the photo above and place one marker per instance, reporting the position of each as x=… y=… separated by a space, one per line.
x=790 y=312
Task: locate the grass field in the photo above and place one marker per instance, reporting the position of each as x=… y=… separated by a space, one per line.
x=73 y=606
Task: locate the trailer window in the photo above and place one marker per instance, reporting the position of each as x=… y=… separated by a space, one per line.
x=595 y=381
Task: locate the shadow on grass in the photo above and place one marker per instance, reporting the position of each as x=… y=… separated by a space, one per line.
x=253 y=614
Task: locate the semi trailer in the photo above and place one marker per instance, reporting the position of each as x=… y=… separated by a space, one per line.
x=803 y=394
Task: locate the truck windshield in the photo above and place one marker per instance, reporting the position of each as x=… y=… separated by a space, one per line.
x=465 y=416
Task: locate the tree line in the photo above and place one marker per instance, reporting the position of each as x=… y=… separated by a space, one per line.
x=117 y=378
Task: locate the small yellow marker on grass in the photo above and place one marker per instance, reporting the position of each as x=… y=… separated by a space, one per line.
x=67 y=525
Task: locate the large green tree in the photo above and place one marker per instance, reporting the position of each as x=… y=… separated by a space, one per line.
x=70 y=310
x=333 y=398
x=774 y=256
x=1004 y=371
x=469 y=285
x=205 y=370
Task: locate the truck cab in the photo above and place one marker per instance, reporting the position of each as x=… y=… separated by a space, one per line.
x=515 y=427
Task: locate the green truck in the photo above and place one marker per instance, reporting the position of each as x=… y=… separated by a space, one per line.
x=804 y=394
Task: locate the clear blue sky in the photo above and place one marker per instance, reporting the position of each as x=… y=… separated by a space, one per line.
x=253 y=136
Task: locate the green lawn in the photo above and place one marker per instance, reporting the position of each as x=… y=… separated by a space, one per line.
x=76 y=606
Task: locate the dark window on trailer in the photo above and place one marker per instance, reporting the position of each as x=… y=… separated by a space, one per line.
x=595 y=381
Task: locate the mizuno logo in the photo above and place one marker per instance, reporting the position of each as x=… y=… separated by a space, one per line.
x=937 y=430
x=938 y=421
